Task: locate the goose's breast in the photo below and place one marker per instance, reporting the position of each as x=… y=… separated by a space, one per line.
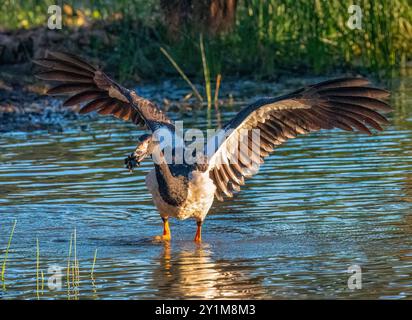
x=200 y=196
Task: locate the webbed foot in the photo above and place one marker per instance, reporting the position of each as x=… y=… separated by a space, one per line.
x=166 y=236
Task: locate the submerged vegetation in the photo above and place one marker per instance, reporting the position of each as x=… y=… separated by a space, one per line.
x=268 y=38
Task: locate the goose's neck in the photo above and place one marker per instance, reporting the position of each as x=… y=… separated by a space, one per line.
x=172 y=189
x=164 y=171
x=161 y=164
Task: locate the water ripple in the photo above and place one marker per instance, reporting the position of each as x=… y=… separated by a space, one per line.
x=318 y=205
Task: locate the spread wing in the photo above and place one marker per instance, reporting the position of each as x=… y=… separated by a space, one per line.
x=85 y=83
x=348 y=103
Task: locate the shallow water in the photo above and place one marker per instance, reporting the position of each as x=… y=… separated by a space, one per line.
x=320 y=204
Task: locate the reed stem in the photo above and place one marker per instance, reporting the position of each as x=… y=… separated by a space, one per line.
x=206 y=72
x=182 y=74
x=3 y=269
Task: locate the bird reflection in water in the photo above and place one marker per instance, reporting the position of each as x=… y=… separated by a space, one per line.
x=193 y=273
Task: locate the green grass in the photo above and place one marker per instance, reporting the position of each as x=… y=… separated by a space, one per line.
x=76 y=269
x=72 y=272
x=270 y=37
x=94 y=263
x=38 y=272
x=206 y=72
x=68 y=267
x=3 y=269
x=73 y=268
x=92 y=275
x=183 y=75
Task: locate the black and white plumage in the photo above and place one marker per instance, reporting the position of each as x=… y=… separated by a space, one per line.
x=188 y=190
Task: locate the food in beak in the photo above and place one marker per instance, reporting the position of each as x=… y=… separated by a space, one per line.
x=142 y=151
x=131 y=162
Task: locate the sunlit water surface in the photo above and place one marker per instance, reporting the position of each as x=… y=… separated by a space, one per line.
x=319 y=205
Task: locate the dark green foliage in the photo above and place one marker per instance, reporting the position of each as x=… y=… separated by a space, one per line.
x=270 y=37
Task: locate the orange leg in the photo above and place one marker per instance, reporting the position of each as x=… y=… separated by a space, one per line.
x=166 y=230
x=166 y=236
x=198 y=236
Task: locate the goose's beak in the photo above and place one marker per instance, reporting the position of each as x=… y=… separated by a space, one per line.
x=140 y=153
x=139 y=157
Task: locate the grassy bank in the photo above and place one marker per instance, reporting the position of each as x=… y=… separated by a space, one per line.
x=269 y=37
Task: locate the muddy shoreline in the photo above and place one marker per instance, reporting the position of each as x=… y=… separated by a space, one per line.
x=24 y=105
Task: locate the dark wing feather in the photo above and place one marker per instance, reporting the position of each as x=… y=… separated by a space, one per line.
x=348 y=103
x=86 y=84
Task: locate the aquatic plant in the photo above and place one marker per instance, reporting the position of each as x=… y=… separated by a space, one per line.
x=206 y=72
x=182 y=74
x=73 y=269
x=39 y=273
x=3 y=269
x=94 y=263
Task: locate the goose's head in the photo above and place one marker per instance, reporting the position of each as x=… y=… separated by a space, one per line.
x=143 y=150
